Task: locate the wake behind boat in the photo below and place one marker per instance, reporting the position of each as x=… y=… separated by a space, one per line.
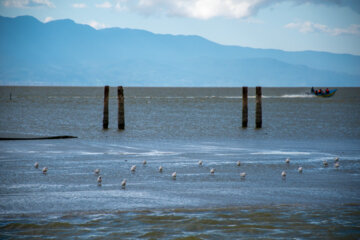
x=323 y=93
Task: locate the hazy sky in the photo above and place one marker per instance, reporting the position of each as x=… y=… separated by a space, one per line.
x=323 y=25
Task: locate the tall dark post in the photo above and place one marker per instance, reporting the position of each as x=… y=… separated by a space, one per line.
x=106 y=108
x=245 y=107
x=258 y=108
x=121 y=112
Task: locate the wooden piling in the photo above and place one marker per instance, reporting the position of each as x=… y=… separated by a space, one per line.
x=106 y=108
x=258 y=121
x=121 y=112
x=245 y=107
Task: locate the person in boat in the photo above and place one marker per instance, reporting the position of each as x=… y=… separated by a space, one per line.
x=327 y=91
x=320 y=92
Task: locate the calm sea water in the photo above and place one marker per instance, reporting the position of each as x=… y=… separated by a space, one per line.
x=175 y=128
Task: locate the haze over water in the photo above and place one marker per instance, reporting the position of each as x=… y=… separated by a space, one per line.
x=175 y=128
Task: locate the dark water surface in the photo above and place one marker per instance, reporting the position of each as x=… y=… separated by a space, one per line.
x=175 y=128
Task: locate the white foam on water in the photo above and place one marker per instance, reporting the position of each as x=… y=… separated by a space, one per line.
x=54 y=152
x=33 y=186
x=156 y=153
x=90 y=153
x=125 y=153
x=302 y=95
x=297 y=96
x=287 y=96
x=279 y=153
x=225 y=154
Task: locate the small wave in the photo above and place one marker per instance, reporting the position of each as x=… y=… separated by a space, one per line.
x=224 y=97
x=54 y=152
x=156 y=153
x=185 y=97
x=286 y=96
x=150 y=153
x=90 y=153
x=296 y=96
x=279 y=153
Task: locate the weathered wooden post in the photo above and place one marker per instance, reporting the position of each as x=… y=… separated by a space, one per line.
x=245 y=107
x=106 y=108
x=258 y=121
x=121 y=112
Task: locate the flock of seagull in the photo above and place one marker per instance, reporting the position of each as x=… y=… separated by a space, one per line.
x=212 y=170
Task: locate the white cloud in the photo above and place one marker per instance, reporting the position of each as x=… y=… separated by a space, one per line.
x=97 y=25
x=28 y=3
x=252 y=20
x=104 y=5
x=201 y=9
x=353 y=29
x=308 y=27
x=121 y=7
x=79 y=5
x=205 y=9
x=48 y=19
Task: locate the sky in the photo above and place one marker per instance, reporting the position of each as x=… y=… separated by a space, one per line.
x=290 y=25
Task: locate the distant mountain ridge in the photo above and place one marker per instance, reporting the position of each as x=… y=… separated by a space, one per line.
x=65 y=53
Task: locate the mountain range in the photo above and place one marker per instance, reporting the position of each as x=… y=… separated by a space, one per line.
x=65 y=53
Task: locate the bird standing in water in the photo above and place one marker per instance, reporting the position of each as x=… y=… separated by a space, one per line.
x=123 y=183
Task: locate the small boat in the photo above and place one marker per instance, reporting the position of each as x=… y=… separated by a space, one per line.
x=323 y=93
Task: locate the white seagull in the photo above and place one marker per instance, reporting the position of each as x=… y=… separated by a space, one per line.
x=160 y=169
x=243 y=174
x=287 y=160
x=300 y=169
x=173 y=175
x=238 y=163
x=133 y=168
x=283 y=174
x=144 y=162
x=123 y=183
x=325 y=163
x=97 y=171
x=99 y=180
x=336 y=159
x=36 y=165
x=337 y=165
x=200 y=163
x=44 y=170
x=212 y=171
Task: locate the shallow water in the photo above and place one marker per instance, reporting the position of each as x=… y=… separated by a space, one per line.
x=280 y=222
x=180 y=113
x=175 y=128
